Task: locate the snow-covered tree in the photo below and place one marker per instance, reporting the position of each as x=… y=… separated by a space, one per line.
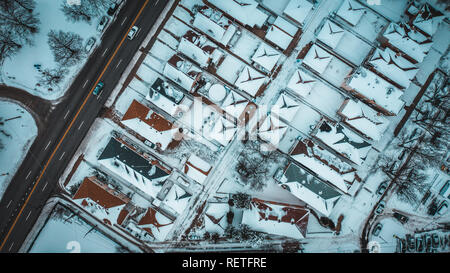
x=67 y=47
x=77 y=13
x=242 y=200
x=52 y=77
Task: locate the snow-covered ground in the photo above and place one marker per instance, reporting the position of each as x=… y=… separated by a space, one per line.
x=17 y=132
x=20 y=71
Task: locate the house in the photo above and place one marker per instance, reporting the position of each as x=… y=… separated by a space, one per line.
x=155 y=224
x=132 y=169
x=363 y=119
x=427 y=19
x=402 y=38
x=393 y=66
x=298 y=10
x=165 y=97
x=244 y=11
x=250 y=80
x=315 y=193
x=325 y=165
x=215 y=217
x=285 y=107
x=342 y=140
x=235 y=104
x=196 y=47
x=271 y=130
x=317 y=59
x=177 y=198
x=103 y=202
x=197 y=168
x=182 y=72
x=375 y=91
x=281 y=33
x=266 y=57
x=277 y=219
x=301 y=83
x=223 y=131
x=351 y=12
x=214 y=24
x=149 y=125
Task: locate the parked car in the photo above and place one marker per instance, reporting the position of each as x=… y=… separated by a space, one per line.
x=112 y=8
x=445 y=190
x=443 y=207
x=98 y=88
x=435 y=240
x=419 y=244
x=380 y=208
x=133 y=31
x=411 y=243
x=377 y=229
x=382 y=188
x=102 y=24
x=428 y=241
x=402 y=218
x=89 y=44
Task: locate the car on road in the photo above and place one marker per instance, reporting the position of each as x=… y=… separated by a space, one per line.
x=102 y=24
x=89 y=44
x=435 y=240
x=380 y=208
x=382 y=188
x=377 y=229
x=133 y=31
x=443 y=207
x=402 y=218
x=98 y=88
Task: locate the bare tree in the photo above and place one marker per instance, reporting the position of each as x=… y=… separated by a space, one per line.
x=67 y=47
x=77 y=13
x=242 y=200
x=52 y=77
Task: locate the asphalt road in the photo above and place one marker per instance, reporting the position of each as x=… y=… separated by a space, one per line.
x=13 y=213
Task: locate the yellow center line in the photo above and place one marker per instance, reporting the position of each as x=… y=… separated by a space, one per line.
x=70 y=125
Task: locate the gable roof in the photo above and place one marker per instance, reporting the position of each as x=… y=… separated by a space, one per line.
x=155 y=224
x=272 y=130
x=317 y=58
x=301 y=82
x=331 y=34
x=215 y=217
x=351 y=11
x=298 y=10
x=250 y=80
x=218 y=27
x=266 y=56
x=197 y=168
x=428 y=19
x=245 y=11
x=285 y=107
x=281 y=33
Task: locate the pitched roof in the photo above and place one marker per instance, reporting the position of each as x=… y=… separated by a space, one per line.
x=281 y=33
x=351 y=11
x=301 y=82
x=142 y=112
x=317 y=58
x=298 y=10
x=266 y=56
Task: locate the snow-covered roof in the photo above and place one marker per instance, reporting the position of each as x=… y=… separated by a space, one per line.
x=428 y=19
x=130 y=167
x=324 y=164
x=216 y=217
x=277 y=219
x=219 y=31
x=197 y=169
x=301 y=82
x=281 y=33
x=411 y=42
x=309 y=189
x=234 y=104
x=331 y=34
x=351 y=11
x=245 y=11
x=317 y=58
x=149 y=124
x=344 y=141
x=155 y=224
x=165 y=96
x=223 y=131
x=266 y=56
x=393 y=66
x=298 y=10
x=285 y=107
x=272 y=130
x=377 y=89
x=194 y=52
x=181 y=71
x=177 y=198
x=364 y=119
x=250 y=80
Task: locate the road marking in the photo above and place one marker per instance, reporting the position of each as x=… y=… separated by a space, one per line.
x=118 y=64
x=124 y=20
x=9 y=249
x=156 y=2
x=47 y=145
x=104 y=52
x=28 y=216
x=70 y=126
x=45 y=186
x=62 y=156
x=81 y=125
x=65 y=116
x=9 y=203
x=28 y=175
x=85 y=83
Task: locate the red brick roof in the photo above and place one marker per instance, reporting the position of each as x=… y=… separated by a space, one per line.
x=140 y=111
x=99 y=193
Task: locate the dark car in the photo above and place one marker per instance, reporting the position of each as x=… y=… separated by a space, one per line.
x=435 y=240
x=112 y=9
x=411 y=243
x=380 y=208
x=402 y=218
x=377 y=229
x=428 y=241
x=98 y=88
x=382 y=188
x=419 y=244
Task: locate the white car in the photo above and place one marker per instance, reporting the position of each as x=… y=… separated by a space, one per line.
x=102 y=24
x=134 y=30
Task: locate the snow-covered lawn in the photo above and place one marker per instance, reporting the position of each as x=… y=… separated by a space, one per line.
x=19 y=71
x=64 y=235
x=16 y=135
